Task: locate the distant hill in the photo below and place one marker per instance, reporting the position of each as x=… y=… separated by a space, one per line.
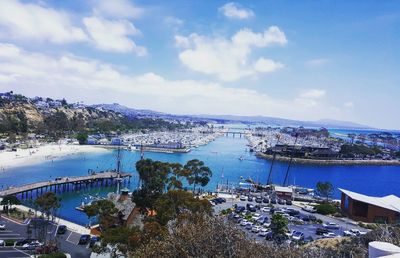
x=272 y=121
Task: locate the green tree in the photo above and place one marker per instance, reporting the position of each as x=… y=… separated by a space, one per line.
x=198 y=173
x=153 y=176
x=325 y=190
x=90 y=211
x=48 y=204
x=174 y=202
x=279 y=225
x=82 y=138
x=9 y=201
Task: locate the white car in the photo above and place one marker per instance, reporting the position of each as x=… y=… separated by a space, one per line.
x=309 y=209
x=330 y=225
x=2 y=243
x=267 y=224
x=348 y=233
x=265 y=209
x=243 y=223
x=32 y=245
x=330 y=235
x=255 y=229
x=243 y=198
x=256 y=216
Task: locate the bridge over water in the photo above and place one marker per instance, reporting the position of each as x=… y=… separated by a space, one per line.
x=67 y=184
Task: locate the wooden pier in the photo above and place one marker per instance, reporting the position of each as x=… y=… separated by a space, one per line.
x=67 y=184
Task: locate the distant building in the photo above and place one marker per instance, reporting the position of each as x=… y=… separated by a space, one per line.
x=285 y=193
x=371 y=209
x=116 y=141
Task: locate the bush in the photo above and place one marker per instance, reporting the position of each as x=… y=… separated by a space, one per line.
x=53 y=255
x=326 y=209
x=9 y=242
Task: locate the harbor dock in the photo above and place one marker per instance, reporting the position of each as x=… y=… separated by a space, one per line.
x=67 y=184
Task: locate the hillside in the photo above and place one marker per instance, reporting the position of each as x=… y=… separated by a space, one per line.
x=20 y=115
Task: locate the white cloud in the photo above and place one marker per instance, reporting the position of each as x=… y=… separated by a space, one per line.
x=34 y=22
x=113 y=35
x=310 y=98
x=264 y=65
x=234 y=11
x=84 y=79
x=229 y=58
x=117 y=9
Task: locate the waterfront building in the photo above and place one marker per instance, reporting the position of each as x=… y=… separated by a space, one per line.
x=366 y=208
x=285 y=193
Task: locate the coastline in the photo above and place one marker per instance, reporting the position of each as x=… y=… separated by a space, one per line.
x=325 y=162
x=43 y=153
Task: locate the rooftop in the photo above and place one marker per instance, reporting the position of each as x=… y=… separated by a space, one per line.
x=390 y=202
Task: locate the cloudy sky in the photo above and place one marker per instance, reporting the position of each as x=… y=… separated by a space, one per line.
x=304 y=60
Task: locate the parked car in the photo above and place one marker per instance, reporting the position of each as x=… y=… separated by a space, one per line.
x=289 y=202
x=62 y=229
x=256 y=216
x=32 y=245
x=2 y=226
x=25 y=241
x=265 y=200
x=243 y=222
x=273 y=201
x=2 y=243
x=240 y=209
x=251 y=207
x=298 y=236
x=249 y=226
x=250 y=199
x=330 y=235
x=330 y=225
x=263 y=233
x=309 y=209
x=281 y=201
x=292 y=212
x=94 y=240
x=255 y=229
x=243 y=198
x=265 y=209
x=309 y=218
x=321 y=231
x=353 y=232
x=84 y=239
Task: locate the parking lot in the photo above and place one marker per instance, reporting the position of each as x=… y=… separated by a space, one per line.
x=68 y=242
x=256 y=221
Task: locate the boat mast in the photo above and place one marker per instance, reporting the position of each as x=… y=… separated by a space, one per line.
x=290 y=161
x=269 y=181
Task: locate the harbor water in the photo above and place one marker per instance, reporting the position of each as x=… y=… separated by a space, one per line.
x=222 y=156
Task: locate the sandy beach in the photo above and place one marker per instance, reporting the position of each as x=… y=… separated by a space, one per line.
x=43 y=153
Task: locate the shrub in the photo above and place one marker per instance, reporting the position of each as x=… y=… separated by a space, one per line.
x=326 y=209
x=9 y=242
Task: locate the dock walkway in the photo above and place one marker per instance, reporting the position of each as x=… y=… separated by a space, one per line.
x=64 y=183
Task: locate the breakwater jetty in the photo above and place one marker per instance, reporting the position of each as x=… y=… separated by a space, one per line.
x=64 y=184
x=328 y=162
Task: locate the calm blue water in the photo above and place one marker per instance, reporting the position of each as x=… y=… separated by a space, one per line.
x=222 y=157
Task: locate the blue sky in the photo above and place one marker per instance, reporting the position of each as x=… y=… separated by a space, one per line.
x=304 y=60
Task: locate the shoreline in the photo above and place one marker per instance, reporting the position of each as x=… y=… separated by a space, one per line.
x=43 y=153
x=325 y=162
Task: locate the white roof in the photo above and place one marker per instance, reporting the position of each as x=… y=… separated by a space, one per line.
x=390 y=202
x=283 y=189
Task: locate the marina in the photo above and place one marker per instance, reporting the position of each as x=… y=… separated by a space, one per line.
x=229 y=158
